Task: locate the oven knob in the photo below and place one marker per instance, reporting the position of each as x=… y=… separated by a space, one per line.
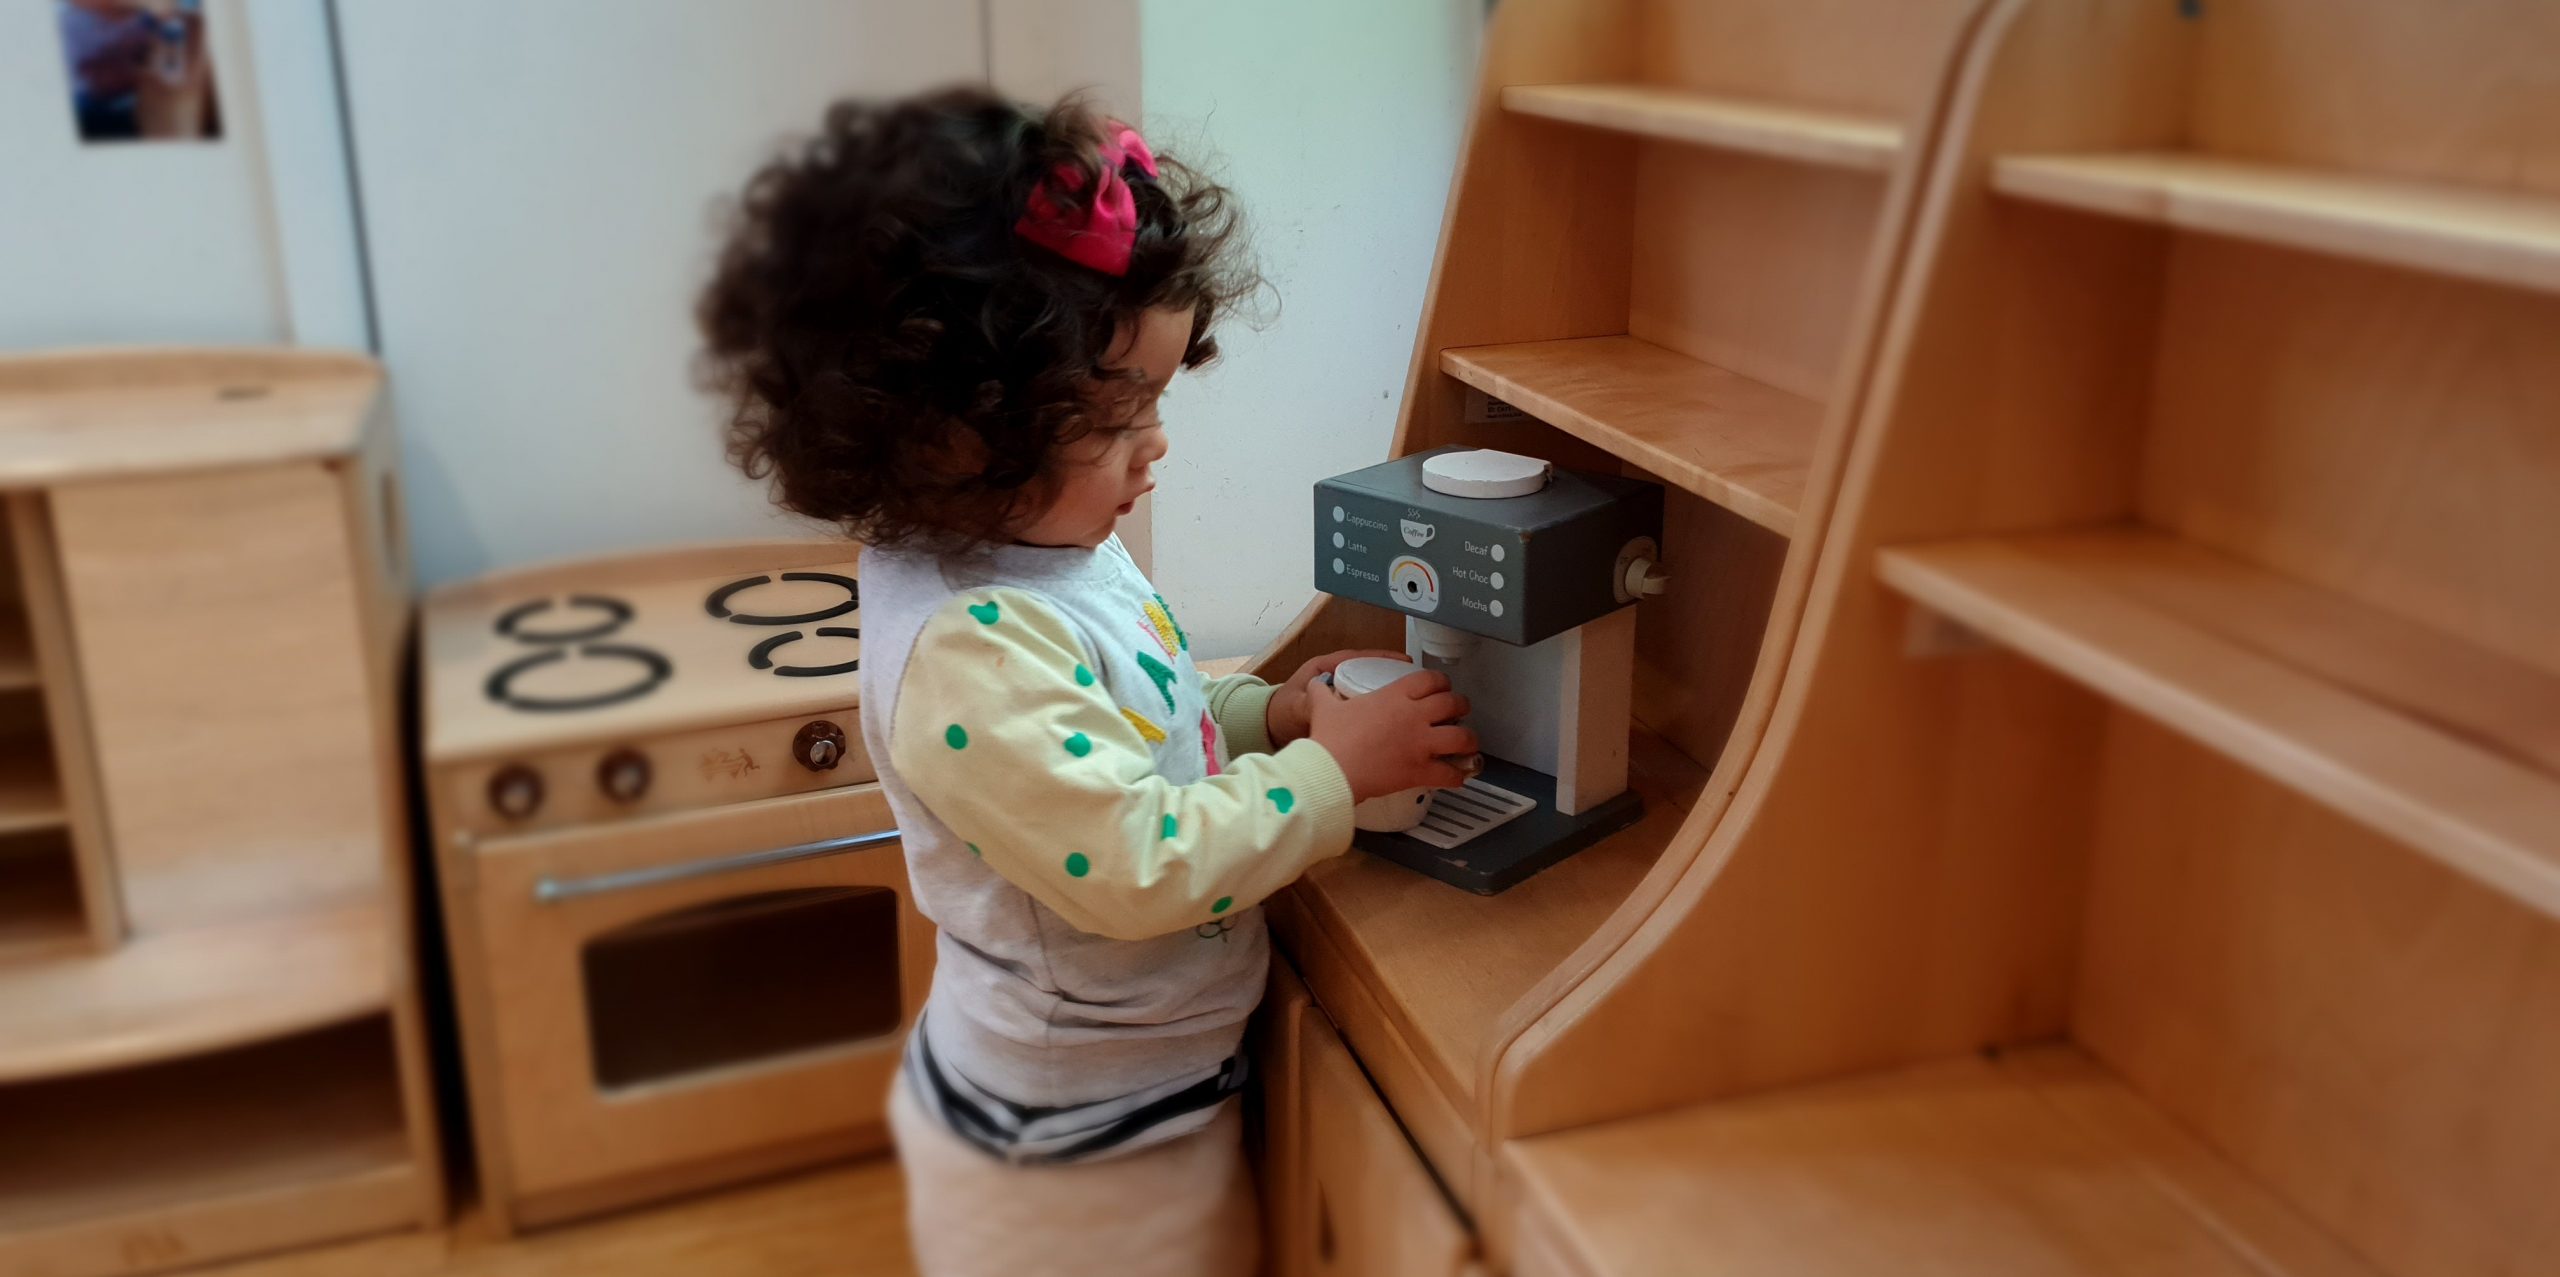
x=516 y=791
x=623 y=775
x=819 y=746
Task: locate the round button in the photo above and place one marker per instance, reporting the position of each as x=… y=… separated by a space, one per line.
x=1337 y=540
x=1337 y=567
x=819 y=746
x=623 y=775
x=1337 y=514
x=1497 y=580
x=1497 y=553
x=1494 y=607
x=515 y=792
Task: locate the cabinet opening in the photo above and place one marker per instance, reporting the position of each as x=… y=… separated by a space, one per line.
x=295 y=1113
x=39 y=890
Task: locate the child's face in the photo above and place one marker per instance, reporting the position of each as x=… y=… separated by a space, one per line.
x=1101 y=476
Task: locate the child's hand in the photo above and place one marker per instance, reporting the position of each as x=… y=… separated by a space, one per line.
x=1285 y=717
x=1394 y=738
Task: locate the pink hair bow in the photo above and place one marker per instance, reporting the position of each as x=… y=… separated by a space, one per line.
x=1104 y=234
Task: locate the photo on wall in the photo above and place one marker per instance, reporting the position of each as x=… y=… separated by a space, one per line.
x=140 y=70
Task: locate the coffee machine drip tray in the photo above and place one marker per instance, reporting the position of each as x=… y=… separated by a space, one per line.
x=1515 y=848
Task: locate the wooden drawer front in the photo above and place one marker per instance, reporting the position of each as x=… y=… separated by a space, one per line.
x=1372 y=1210
x=562 y=1127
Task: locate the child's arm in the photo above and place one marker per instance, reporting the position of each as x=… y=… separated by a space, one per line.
x=1242 y=705
x=1012 y=741
x=1259 y=717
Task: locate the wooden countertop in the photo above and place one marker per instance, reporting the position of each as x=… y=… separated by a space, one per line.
x=1424 y=980
x=113 y=412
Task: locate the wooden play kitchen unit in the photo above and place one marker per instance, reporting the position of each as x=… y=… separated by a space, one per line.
x=683 y=947
x=210 y=1040
x=2101 y=752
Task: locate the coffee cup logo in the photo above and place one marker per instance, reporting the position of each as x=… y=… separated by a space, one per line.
x=1418 y=535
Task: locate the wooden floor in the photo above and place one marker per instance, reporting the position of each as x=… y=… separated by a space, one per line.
x=845 y=1221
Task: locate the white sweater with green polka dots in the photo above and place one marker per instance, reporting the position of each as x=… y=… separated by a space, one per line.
x=1091 y=826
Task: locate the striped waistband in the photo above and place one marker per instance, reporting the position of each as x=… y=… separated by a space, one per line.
x=1030 y=1135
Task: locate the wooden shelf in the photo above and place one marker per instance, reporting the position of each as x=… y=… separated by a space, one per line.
x=2443 y=745
x=288 y=1142
x=201 y=989
x=2499 y=237
x=1448 y=966
x=1739 y=443
x=1827 y=138
x=2038 y=1164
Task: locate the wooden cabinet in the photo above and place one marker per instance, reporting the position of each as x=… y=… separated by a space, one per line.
x=211 y=1041
x=1345 y=1194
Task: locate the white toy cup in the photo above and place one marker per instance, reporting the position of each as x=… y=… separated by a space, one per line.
x=1390 y=813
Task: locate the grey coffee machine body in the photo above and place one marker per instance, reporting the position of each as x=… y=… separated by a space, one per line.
x=1519 y=581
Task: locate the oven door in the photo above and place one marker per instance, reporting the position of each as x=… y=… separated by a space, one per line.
x=693 y=990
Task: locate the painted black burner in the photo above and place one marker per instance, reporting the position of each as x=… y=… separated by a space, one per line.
x=610 y=615
x=718 y=604
x=762 y=655
x=653 y=669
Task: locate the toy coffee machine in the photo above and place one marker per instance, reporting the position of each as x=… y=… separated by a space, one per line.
x=1518 y=581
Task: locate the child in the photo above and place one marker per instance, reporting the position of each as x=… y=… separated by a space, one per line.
x=944 y=325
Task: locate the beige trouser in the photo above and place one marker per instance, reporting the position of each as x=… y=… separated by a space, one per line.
x=1184 y=1208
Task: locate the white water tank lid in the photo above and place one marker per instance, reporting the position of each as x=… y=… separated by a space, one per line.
x=1483 y=472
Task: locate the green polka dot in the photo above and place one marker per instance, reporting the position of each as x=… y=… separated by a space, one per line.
x=1224 y=903
x=956 y=736
x=1079 y=744
x=1282 y=799
x=985 y=612
x=1171 y=826
x=973 y=850
x=1077 y=865
x=1084 y=677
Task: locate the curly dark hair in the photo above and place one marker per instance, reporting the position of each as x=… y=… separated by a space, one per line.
x=896 y=360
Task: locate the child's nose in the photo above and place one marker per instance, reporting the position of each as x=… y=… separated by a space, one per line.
x=1152 y=449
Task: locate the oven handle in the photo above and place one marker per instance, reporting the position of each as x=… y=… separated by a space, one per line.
x=551 y=891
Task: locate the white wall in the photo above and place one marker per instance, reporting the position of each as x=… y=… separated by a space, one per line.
x=1338 y=123
x=136 y=241
x=537 y=186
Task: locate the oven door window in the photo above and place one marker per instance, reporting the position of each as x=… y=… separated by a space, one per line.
x=741 y=981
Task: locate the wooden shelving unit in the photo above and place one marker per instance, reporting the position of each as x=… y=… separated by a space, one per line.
x=2505 y=237
x=1738 y=443
x=2037 y=1162
x=2445 y=746
x=210 y=1037
x=1776 y=130
x=2159 y=823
